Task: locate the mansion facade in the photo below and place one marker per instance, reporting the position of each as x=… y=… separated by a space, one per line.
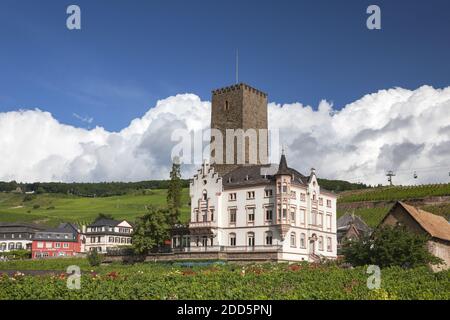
x=283 y=216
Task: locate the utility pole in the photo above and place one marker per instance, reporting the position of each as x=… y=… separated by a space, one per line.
x=390 y=174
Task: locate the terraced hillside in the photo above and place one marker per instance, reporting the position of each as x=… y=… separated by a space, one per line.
x=372 y=204
x=50 y=209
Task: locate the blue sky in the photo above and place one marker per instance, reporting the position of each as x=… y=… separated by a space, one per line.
x=129 y=54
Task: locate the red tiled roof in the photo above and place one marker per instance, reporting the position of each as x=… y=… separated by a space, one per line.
x=433 y=224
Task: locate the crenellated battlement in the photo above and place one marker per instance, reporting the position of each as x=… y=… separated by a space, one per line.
x=239 y=86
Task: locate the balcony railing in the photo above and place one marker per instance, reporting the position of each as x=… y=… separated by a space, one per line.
x=229 y=248
x=201 y=224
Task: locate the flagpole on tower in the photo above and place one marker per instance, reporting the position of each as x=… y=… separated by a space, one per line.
x=237 y=66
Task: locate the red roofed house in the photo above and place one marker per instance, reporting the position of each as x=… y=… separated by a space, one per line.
x=423 y=222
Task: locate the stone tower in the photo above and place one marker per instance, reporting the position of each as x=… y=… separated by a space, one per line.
x=239 y=107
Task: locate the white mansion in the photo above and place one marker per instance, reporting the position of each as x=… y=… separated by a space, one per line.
x=256 y=212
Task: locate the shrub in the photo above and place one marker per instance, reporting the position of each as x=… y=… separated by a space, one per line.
x=18 y=254
x=94 y=258
x=28 y=197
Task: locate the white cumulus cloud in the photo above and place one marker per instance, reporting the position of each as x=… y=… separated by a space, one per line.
x=396 y=129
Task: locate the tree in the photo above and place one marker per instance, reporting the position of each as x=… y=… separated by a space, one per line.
x=174 y=193
x=40 y=190
x=390 y=246
x=151 y=230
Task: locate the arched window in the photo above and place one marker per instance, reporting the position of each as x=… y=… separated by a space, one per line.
x=18 y=245
x=251 y=239
x=205 y=195
x=11 y=246
x=3 y=246
x=269 y=238
x=293 y=239
x=233 y=239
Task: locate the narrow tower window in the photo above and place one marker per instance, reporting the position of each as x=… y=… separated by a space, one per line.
x=227 y=105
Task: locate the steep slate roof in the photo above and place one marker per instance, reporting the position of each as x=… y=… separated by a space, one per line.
x=55 y=233
x=283 y=167
x=63 y=228
x=348 y=219
x=436 y=226
x=18 y=228
x=251 y=175
x=104 y=222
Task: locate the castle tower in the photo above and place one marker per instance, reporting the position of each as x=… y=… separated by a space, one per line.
x=239 y=107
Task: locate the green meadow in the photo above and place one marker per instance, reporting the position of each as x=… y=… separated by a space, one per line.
x=50 y=209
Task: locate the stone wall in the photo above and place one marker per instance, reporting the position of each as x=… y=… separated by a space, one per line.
x=188 y=256
x=440 y=249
